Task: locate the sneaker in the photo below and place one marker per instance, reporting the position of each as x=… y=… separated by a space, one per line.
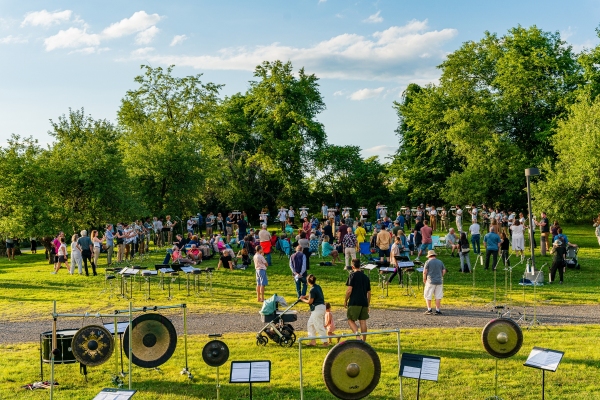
x=53 y=272
x=429 y=312
x=438 y=312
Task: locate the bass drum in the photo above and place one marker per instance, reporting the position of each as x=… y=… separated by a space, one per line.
x=63 y=344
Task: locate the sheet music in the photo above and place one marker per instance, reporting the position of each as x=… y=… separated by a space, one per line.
x=405 y=264
x=129 y=271
x=411 y=372
x=150 y=272
x=544 y=359
x=188 y=270
x=240 y=372
x=114 y=394
x=369 y=267
x=166 y=270
x=260 y=372
x=430 y=369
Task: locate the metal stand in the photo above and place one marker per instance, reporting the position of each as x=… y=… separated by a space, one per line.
x=535 y=321
x=493 y=303
x=508 y=287
x=495 y=396
x=480 y=259
x=352 y=336
x=185 y=370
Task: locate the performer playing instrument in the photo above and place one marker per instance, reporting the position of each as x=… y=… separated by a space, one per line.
x=170 y=224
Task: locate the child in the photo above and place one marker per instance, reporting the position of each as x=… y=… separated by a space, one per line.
x=246 y=261
x=329 y=322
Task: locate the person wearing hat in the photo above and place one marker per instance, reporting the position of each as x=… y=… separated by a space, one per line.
x=559 y=261
x=433 y=279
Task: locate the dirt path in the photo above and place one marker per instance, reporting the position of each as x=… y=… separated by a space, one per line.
x=29 y=331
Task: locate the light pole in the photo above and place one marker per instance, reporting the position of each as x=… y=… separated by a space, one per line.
x=531 y=172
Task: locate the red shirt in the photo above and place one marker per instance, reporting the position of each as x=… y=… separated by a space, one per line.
x=426 y=232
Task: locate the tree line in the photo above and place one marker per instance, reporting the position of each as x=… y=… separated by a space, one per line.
x=502 y=104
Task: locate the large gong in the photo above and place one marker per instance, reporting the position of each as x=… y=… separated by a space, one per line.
x=502 y=337
x=351 y=370
x=154 y=340
x=92 y=345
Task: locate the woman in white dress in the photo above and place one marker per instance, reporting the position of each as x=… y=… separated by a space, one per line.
x=76 y=258
x=518 y=237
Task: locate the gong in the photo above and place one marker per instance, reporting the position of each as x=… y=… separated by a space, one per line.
x=153 y=340
x=502 y=337
x=215 y=353
x=351 y=370
x=92 y=345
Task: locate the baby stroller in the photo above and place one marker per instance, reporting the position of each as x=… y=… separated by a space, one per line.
x=278 y=328
x=571 y=257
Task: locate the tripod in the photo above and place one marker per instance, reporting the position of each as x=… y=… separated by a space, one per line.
x=508 y=288
x=480 y=259
x=493 y=303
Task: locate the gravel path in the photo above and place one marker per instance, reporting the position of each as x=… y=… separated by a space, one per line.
x=29 y=331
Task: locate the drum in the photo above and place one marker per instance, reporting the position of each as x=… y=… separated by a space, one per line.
x=63 y=344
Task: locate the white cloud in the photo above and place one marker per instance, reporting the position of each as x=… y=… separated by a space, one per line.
x=393 y=54
x=382 y=151
x=90 y=50
x=46 y=18
x=79 y=37
x=178 y=39
x=10 y=39
x=338 y=93
x=139 y=21
x=374 y=19
x=72 y=37
x=146 y=36
x=142 y=52
x=366 y=93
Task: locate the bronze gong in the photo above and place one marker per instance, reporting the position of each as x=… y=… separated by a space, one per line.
x=92 y=345
x=153 y=340
x=502 y=337
x=351 y=370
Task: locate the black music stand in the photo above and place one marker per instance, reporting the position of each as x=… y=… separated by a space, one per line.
x=546 y=360
x=250 y=372
x=419 y=367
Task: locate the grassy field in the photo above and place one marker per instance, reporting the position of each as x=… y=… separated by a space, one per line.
x=467 y=371
x=27 y=288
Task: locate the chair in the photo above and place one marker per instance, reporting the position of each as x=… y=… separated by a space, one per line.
x=286 y=248
x=437 y=244
x=315 y=247
x=368 y=227
x=365 y=250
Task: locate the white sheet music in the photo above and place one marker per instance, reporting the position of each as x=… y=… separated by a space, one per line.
x=544 y=359
x=260 y=372
x=430 y=369
x=114 y=394
x=369 y=267
x=166 y=270
x=411 y=372
x=240 y=372
x=129 y=271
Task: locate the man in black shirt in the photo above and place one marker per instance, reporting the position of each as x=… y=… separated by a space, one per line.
x=544 y=225
x=558 y=263
x=242 y=226
x=358 y=298
x=328 y=231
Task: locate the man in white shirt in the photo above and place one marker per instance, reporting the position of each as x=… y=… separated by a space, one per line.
x=282 y=217
x=433 y=218
x=363 y=214
x=190 y=225
x=458 y=214
x=303 y=213
x=473 y=213
x=324 y=211
x=291 y=214
x=157 y=227
x=474 y=229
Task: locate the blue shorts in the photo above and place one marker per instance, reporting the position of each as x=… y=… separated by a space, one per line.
x=384 y=253
x=426 y=246
x=261 y=277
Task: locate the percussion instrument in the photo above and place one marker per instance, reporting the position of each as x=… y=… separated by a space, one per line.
x=502 y=338
x=215 y=353
x=93 y=345
x=64 y=339
x=154 y=340
x=351 y=370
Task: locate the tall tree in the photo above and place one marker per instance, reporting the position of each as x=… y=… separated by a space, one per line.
x=90 y=185
x=168 y=152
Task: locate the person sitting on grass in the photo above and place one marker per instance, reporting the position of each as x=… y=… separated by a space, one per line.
x=225 y=260
x=245 y=257
x=195 y=254
x=328 y=250
x=178 y=257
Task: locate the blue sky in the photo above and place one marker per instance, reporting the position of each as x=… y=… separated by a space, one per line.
x=60 y=54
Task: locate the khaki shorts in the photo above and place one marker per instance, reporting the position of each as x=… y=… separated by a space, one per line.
x=357 y=313
x=433 y=291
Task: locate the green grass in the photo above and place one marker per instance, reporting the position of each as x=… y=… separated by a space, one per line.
x=27 y=288
x=467 y=371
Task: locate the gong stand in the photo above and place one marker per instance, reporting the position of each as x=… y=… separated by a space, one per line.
x=351 y=368
x=508 y=286
x=535 y=321
x=114 y=315
x=493 y=303
x=215 y=353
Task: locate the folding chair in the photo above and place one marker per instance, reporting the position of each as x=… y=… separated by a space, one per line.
x=368 y=227
x=365 y=250
x=437 y=244
x=286 y=248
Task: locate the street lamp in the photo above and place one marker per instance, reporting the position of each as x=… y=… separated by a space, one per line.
x=531 y=172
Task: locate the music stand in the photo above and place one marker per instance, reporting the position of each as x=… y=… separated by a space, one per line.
x=420 y=367
x=546 y=360
x=250 y=372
